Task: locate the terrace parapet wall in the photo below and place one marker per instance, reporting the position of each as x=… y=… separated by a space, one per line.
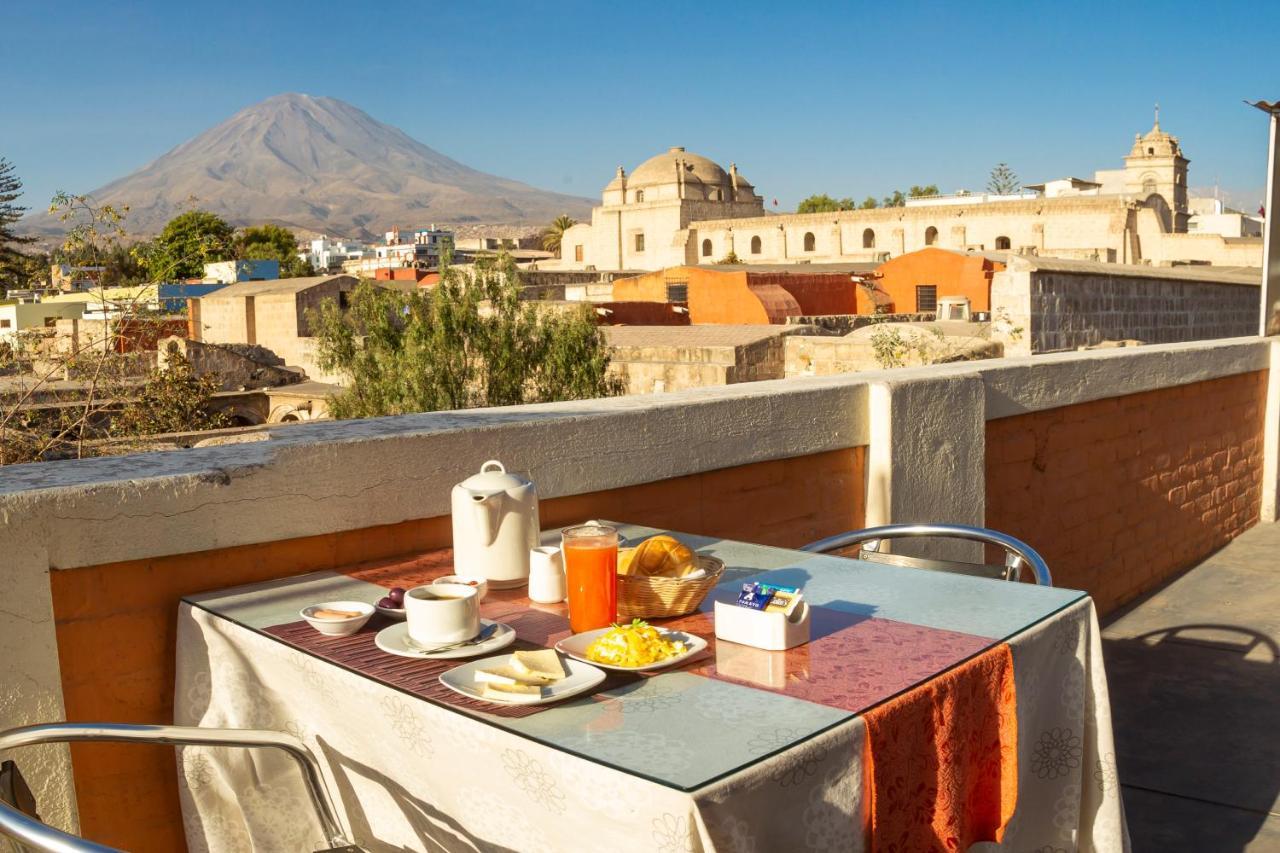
x=97 y=553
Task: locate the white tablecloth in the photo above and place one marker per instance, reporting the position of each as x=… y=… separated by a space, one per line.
x=410 y=775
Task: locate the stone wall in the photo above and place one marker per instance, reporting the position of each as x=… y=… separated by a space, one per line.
x=1118 y=495
x=237 y=366
x=1060 y=305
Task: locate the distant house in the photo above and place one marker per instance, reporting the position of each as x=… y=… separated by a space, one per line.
x=273 y=314
x=16 y=317
x=230 y=272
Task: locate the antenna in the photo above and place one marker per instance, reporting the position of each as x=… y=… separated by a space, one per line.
x=1157 y=114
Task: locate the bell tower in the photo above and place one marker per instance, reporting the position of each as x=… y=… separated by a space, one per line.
x=1155 y=166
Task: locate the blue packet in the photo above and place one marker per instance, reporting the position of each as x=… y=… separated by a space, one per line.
x=755 y=596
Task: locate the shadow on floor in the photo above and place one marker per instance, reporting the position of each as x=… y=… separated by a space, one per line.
x=1196 y=711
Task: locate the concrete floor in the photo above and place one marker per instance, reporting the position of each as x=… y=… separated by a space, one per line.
x=1194 y=673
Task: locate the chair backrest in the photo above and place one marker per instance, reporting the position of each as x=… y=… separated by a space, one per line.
x=1018 y=554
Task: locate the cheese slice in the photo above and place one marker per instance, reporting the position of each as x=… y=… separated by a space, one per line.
x=544 y=663
x=508 y=692
x=508 y=675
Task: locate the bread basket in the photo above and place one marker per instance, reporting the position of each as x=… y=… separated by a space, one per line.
x=641 y=597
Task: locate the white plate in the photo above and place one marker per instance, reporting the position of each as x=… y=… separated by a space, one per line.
x=576 y=648
x=395 y=640
x=579 y=678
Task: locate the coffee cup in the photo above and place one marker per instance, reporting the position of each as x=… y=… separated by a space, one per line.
x=441 y=613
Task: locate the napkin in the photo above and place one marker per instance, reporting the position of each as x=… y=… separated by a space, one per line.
x=944 y=759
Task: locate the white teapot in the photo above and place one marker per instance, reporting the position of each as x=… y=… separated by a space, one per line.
x=495 y=525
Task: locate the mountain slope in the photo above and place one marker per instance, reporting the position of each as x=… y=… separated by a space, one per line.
x=320 y=164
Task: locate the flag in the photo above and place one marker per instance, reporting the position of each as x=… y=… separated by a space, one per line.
x=775 y=202
x=1262 y=211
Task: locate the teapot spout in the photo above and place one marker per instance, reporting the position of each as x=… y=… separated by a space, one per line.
x=487 y=515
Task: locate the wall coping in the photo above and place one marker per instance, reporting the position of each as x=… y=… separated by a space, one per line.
x=330 y=475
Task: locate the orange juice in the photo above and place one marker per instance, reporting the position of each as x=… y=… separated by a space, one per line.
x=591 y=574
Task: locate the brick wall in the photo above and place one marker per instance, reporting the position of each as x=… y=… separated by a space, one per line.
x=1121 y=494
x=116 y=623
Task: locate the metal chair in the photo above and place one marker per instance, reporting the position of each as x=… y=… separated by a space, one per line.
x=30 y=831
x=1018 y=554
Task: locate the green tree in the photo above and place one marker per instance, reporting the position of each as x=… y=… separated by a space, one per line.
x=174 y=399
x=553 y=234
x=896 y=199
x=13 y=269
x=272 y=243
x=188 y=242
x=469 y=341
x=729 y=259
x=869 y=203
x=923 y=192
x=1003 y=180
x=824 y=204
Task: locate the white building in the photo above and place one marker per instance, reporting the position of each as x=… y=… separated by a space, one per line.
x=1211 y=216
x=325 y=253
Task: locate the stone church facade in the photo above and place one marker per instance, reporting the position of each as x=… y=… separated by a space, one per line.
x=682 y=209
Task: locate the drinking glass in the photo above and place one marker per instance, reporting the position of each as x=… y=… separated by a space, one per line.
x=591 y=574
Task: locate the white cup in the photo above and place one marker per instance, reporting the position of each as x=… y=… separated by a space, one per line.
x=546 y=575
x=442 y=613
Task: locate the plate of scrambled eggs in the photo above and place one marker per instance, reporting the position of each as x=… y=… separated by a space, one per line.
x=635 y=647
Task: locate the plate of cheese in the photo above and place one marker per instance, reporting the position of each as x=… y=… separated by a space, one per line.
x=523 y=678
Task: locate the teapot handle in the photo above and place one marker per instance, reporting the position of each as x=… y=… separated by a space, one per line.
x=485 y=466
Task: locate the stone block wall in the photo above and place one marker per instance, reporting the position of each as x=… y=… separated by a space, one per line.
x=1120 y=494
x=1066 y=310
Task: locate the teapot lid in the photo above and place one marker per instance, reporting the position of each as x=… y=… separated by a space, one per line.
x=493 y=478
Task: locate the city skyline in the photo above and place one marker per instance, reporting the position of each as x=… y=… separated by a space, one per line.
x=560 y=101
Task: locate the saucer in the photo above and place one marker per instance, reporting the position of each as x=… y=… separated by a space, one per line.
x=394 y=640
x=579 y=678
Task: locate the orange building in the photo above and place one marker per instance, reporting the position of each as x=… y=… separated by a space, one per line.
x=915 y=281
x=748 y=294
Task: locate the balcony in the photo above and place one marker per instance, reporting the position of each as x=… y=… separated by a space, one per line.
x=1124 y=468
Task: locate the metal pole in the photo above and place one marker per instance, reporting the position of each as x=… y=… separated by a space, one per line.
x=1271 y=225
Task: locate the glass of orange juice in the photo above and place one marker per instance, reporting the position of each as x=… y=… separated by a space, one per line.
x=591 y=573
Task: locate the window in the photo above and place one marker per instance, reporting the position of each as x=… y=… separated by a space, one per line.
x=930 y=235
x=1003 y=243
x=1148 y=185
x=577 y=253
x=926 y=297
x=5 y=324
x=755 y=245
x=706 y=248
x=1151 y=151
x=715 y=195
x=640 y=242
x=868 y=239
x=677 y=291
x=639 y=196
x=810 y=242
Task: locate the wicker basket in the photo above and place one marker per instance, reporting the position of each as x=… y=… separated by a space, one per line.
x=642 y=597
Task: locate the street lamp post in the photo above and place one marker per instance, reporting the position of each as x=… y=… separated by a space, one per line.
x=1269 y=321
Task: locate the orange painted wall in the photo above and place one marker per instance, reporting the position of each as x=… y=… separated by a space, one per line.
x=953 y=273
x=744 y=297
x=1120 y=495
x=116 y=623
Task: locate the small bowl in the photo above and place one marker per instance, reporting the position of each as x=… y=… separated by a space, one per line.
x=396 y=613
x=481 y=585
x=342 y=627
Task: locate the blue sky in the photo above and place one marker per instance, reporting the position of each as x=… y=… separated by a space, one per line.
x=843 y=98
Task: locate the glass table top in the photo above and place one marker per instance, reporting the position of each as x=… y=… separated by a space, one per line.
x=690 y=727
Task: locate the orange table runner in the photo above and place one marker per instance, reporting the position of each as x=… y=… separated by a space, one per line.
x=942 y=759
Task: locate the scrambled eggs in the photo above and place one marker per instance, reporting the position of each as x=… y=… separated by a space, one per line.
x=637 y=644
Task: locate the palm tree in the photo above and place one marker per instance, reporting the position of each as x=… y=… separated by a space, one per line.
x=555 y=232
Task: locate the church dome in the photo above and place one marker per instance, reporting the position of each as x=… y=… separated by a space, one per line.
x=1155 y=143
x=664 y=168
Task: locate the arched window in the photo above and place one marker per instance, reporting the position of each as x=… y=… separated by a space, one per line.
x=810 y=242
x=1003 y=243
x=639 y=196
x=706 y=248
x=930 y=235
x=868 y=239
x=755 y=245
x=1148 y=186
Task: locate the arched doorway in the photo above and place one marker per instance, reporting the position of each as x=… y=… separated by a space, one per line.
x=755 y=245
x=810 y=242
x=930 y=235
x=868 y=239
x=706 y=248
x=1003 y=243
